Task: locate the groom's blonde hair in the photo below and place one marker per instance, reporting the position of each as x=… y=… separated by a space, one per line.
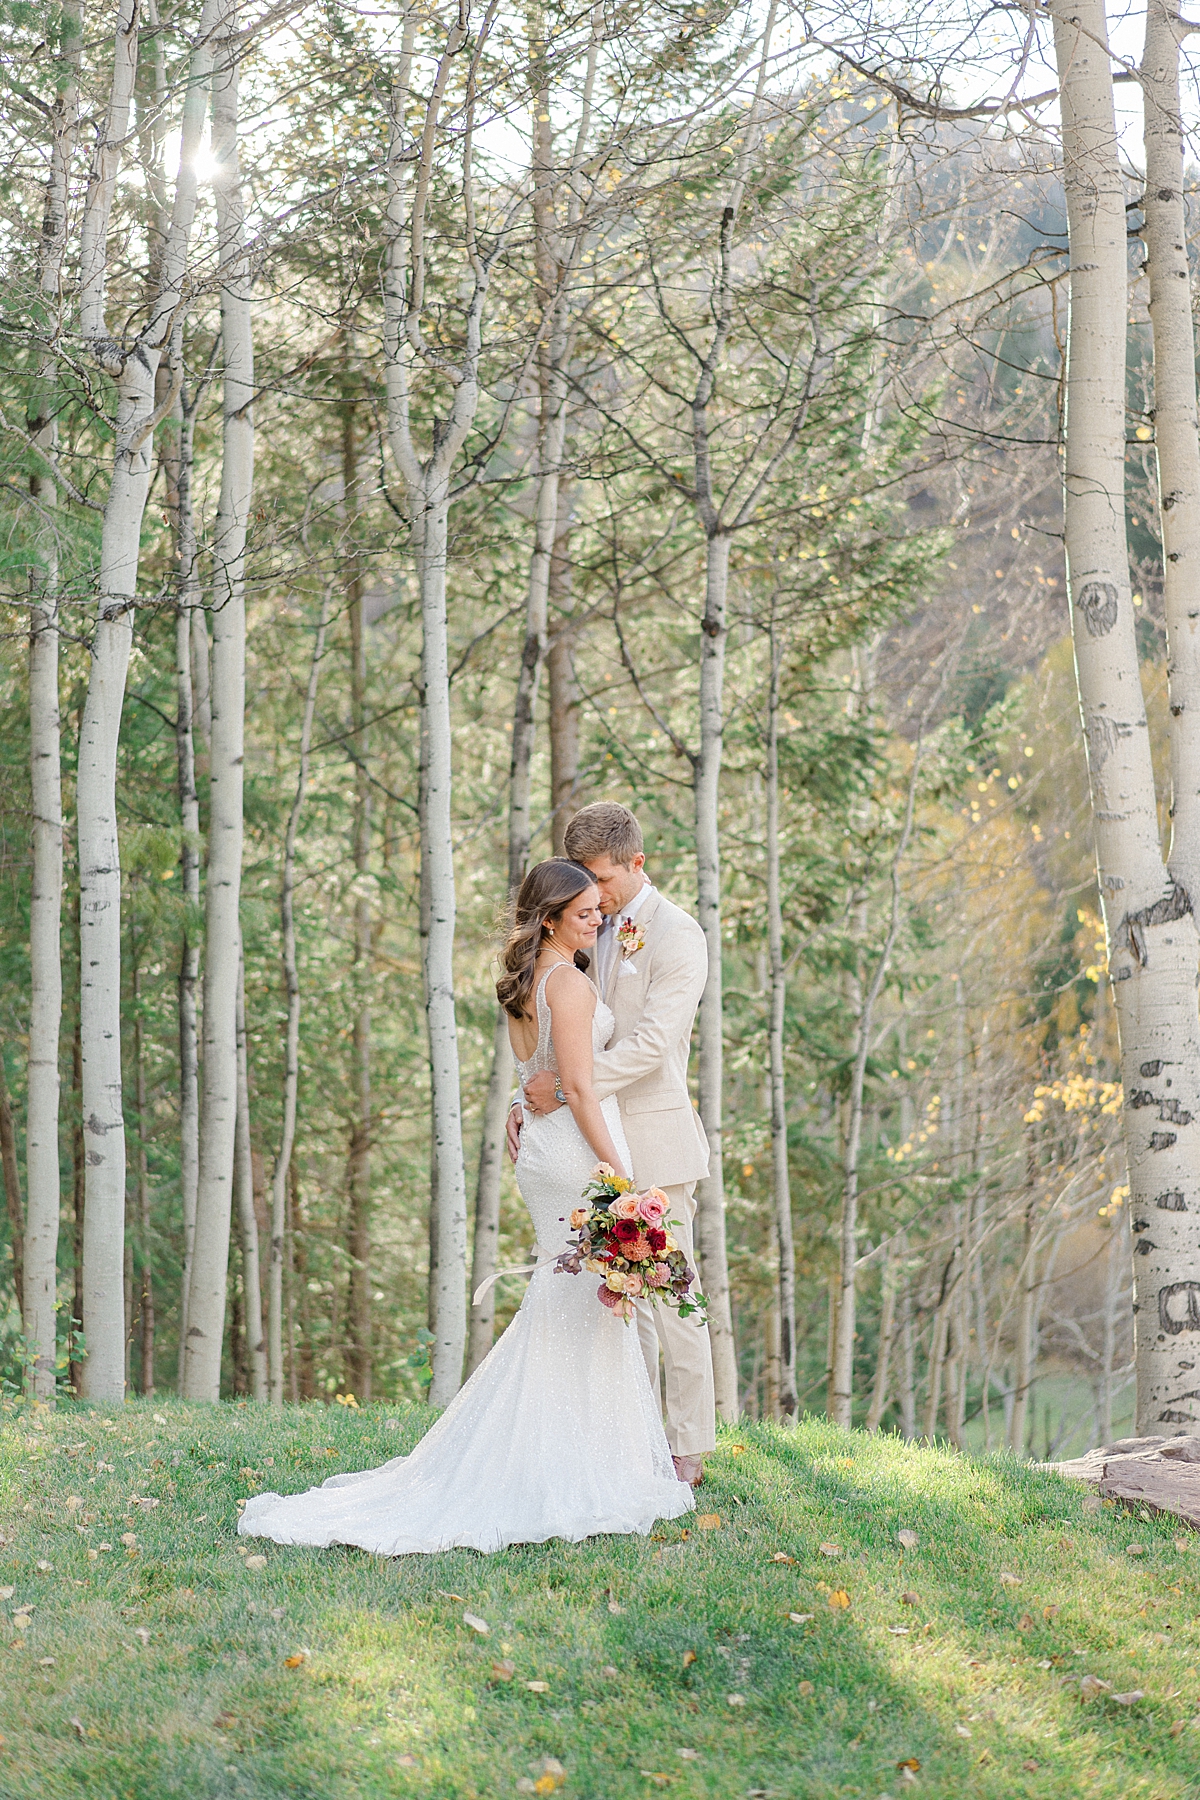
x=605 y=828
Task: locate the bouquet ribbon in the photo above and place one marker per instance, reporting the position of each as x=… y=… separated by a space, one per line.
x=532 y=1268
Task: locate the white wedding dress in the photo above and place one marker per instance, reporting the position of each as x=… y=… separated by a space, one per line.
x=557 y=1433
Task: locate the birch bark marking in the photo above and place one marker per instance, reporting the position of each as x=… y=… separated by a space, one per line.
x=222 y=929
x=1153 y=946
x=426 y=483
x=243 y=1177
x=45 y=900
x=788 y=1402
x=135 y=370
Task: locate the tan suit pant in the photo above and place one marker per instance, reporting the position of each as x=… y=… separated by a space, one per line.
x=691 y=1411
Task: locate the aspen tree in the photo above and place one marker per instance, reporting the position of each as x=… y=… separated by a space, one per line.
x=291 y=980
x=785 y=1246
x=243 y=1179
x=222 y=929
x=133 y=368
x=1148 y=907
x=412 y=167
x=45 y=899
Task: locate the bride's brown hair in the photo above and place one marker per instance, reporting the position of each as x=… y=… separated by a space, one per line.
x=548 y=888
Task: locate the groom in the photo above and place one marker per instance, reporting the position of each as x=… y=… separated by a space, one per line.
x=650 y=967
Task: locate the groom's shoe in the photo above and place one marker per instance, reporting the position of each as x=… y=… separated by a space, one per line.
x=689 y=1469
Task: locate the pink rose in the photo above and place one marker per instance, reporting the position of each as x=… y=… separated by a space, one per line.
x=652 y=1205
x=578 y=1218
x=633 y=1286
x=626 y=1207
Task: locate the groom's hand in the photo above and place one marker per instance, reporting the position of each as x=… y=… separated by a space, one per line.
x=539 y=1092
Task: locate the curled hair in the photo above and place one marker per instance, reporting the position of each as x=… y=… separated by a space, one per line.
x=546 y=890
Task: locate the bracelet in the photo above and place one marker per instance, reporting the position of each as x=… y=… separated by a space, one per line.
x=558 y=1093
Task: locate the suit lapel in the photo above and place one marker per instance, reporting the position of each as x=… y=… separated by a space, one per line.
x=643 y=920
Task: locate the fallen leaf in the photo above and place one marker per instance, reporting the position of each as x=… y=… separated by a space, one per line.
x=898 y=1630
x=1179 y=1726
x=224 y=1721
x=801 y=1618
x=737 y=1449
x=44 y=1568
x=1135 y=1549
x=609 y=1673
x=806 y=1690
x=74 y=1502
x=1091 y=1686
x=1030 y=1767
x=142 y=1633
x=477 y=1624
x=47 y=1662
x=1025 y=1622
x=160 y=1418
x=129 y=1539
x=910 y=1600
x=985 y=1756
x=551 y=1775
x=77 y=1726
x=1131 y=1698
x=689 y=1657
x=1181 y=1544
x=689 y=1755
x=538 y=1687
x=908 y=1540
x=782 y=1557
x=831 y=1549
x=6 y=1593
x=839 y=1599
x=279 y=1612
x=293 y=1662
x=1066 y=1543
x=1049 y=1612
x=256 y=1562
x=614 y=1606
x=708 y=1522
x=461 y=1598
x=93 y=1556
x=910 y=1763
x=504 y=1669
x=647 y=1774
x=1007 y=1580
x=736 y=1699
x=963 y=1731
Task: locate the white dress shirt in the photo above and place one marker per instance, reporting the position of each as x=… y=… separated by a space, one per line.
x=607 y=948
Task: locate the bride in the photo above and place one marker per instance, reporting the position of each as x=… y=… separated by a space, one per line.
x=557 y=1433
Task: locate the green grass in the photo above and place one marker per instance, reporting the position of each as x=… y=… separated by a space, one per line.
x=161 y=1668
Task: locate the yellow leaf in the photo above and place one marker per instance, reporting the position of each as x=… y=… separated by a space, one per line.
x=256 y=1562
x=839 y=1599
x=737 y=1449
x=708 y=1522
x=781 y=1556
x=689 y=1657
x=1049 y=1612
x=910 y=1763
x=538 y=1687
x=293 y=1662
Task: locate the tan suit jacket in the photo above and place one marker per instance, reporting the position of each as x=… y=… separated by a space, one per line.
x=654 y=995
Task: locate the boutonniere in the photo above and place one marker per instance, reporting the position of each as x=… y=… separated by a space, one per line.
x=631 y=938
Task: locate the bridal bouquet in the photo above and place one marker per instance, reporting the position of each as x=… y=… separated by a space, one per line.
x=626 y=1237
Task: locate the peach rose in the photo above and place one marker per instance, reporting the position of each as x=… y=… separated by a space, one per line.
x=603 y=1172
x=633 y=1286
x=579 y=1217
x=625 y=1208
x=652 y=1205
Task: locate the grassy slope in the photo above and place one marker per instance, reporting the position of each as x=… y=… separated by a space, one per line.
x=172 y=1659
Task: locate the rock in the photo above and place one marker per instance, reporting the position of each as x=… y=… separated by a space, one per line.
x=1161 y=1474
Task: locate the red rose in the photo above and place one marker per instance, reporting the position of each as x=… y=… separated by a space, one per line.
x=657 y=1240
x=625 y=1231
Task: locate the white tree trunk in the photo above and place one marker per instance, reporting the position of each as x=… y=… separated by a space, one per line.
x=710 y=1196
x=243 y=1176
x=1153 y=945
x=189 y=865
x=96 y=802
x=45 y=900
x=787 y=1398
x=427 y=490
x=291 y=1076
x=222 y=930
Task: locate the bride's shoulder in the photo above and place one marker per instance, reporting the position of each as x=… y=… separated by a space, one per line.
x=570 y=988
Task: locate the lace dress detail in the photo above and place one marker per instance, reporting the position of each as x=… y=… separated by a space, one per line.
x=557 y=1433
